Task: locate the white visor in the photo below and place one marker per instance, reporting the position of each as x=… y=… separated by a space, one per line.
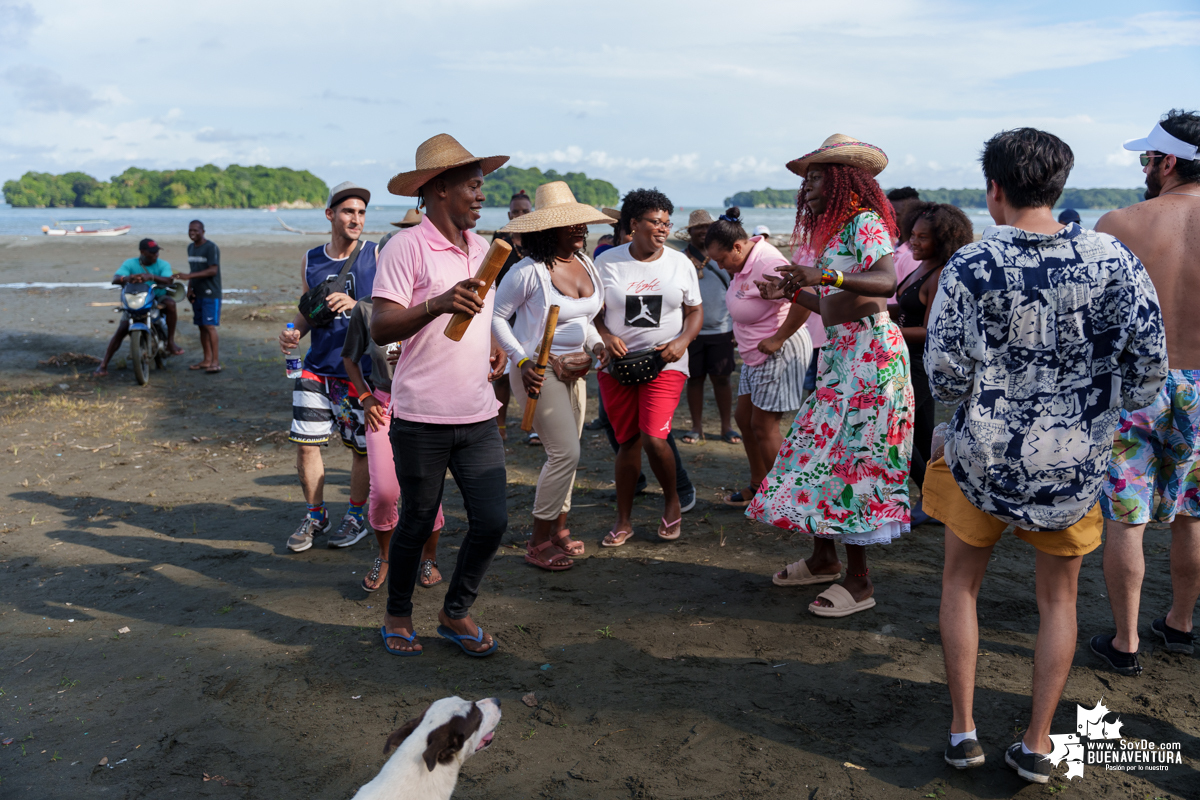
x=1162 y=142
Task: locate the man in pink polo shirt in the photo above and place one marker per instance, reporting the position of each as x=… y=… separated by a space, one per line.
x=443 y=407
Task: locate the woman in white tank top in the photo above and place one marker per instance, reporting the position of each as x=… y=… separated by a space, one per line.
x=556 y=273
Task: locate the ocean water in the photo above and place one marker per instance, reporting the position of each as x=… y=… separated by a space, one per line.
x=228 y=221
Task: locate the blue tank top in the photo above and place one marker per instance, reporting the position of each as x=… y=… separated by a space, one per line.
x=324 y=355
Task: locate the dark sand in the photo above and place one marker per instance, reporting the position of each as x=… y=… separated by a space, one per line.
x=661 y=670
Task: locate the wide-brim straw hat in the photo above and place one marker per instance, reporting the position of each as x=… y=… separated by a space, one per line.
x=435 y=156
x=615 y=213
x=697 y=217
x=842 y=149
x=554 y=206
x=411 y=217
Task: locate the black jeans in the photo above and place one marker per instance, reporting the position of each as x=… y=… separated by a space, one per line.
x=475 y=456
x=923 y=414
x=683 y=484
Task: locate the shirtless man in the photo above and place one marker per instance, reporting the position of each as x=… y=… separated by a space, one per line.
x=1164 y=233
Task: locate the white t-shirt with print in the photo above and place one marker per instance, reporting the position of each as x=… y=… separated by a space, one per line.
x=644 y=300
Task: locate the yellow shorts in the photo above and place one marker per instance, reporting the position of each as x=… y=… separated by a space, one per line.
x=942 y=499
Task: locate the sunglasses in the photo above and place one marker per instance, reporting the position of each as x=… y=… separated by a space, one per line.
x=1145 y=159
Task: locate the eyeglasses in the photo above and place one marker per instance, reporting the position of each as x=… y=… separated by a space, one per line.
x=662 y=226
x=1146 y=159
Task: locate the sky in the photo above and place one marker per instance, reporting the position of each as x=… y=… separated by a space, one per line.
x=700 y=99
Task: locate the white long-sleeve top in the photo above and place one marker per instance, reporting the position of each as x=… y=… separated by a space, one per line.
x=528 y=292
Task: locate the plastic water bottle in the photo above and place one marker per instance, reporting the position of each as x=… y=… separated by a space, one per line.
x=295 y=365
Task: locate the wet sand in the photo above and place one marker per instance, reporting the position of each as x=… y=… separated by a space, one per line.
x=660 y=670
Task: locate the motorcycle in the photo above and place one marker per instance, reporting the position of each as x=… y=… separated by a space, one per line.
x=147 y=329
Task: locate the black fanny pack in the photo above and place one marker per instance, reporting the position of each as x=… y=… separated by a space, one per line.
x=637 y=367
x=314 y=304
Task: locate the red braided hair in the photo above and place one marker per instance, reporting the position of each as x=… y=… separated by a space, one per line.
x=848 y=191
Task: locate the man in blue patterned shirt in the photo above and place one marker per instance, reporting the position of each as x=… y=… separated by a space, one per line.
x=1041 y=333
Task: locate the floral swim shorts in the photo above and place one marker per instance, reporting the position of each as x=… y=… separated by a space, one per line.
x=1155 y=469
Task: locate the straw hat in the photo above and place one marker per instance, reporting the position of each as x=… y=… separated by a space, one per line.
x=435 y=156
x=411 y=217
x=697 y=217
x=842 y=149
x=615 y=213
x=554 y=206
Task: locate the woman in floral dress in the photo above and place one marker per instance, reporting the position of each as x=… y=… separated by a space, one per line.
x=842 y=473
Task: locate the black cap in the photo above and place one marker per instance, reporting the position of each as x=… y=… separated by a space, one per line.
x=1069 y=215
x=149 y=245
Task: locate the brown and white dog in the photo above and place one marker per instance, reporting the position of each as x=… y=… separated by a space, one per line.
x=431 y=750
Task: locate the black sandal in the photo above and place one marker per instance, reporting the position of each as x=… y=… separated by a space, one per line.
x=427 y=567
x=373 y=576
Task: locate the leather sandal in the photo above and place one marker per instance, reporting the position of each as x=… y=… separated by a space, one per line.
x=565 y=543
x=555 y=563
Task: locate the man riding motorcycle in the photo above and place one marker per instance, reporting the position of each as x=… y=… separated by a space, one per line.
x=146 y=267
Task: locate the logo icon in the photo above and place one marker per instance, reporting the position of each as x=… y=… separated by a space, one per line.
x=1098 y=741
x=643 y=311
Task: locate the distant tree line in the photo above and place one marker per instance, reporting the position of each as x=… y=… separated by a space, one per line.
x=963 y=198
x=501 y=185
x=205 y=187
x=763 y=198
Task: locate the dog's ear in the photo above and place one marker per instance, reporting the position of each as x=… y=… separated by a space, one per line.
x=447 y=739
x=398 y=736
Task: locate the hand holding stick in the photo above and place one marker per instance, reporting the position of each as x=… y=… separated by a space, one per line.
x=543 y=357
x=497 y=254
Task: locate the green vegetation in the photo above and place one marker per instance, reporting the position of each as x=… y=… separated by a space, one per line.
x=1071 y=198
x=205 y=187
x=963 y=198
x=763 y=198
x=501 y=185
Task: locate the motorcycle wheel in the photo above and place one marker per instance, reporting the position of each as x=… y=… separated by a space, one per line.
x=139 y=354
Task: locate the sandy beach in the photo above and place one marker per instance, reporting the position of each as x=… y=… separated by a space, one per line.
x=157 y=639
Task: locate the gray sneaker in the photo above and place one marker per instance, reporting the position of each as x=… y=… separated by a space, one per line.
x=351 y=532
x=1033 y=767
x=687 y=501
x=302 y=539
x=967 y=754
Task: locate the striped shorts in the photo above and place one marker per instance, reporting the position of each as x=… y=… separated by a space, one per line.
x=322 y=406
x=777 y=384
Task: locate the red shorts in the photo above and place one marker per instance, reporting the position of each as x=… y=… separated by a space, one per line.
x=647 y=407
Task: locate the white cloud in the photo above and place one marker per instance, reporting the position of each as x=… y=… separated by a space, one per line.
x=1121 y=158
x=43 y=90
x=701 y=104
x=16 y=21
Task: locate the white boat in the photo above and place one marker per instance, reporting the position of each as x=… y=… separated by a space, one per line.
x=74 y=227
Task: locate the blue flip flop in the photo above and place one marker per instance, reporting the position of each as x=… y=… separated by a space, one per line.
x=458 y=638
x=383 y=632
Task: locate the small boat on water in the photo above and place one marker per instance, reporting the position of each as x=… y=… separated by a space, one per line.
x=75 y=227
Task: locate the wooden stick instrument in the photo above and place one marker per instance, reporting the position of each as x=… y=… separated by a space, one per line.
x=497 y=254
x=543 y=357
